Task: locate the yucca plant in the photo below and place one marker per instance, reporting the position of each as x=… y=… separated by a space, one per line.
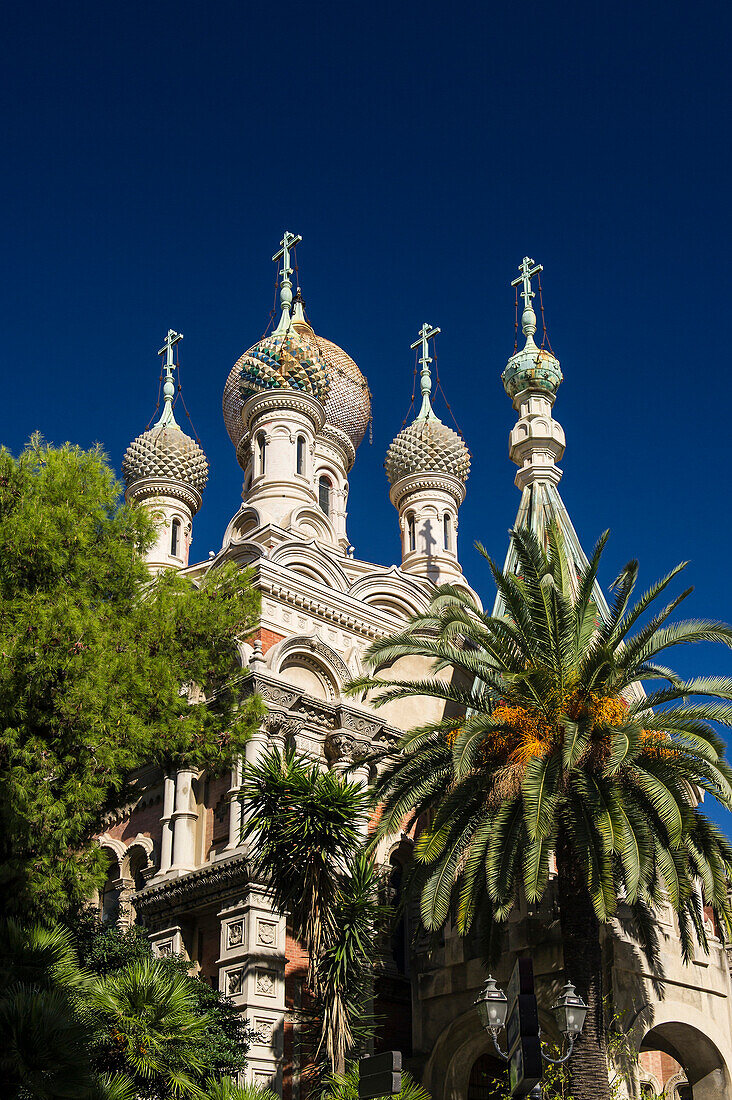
x=303 y=826
x=556 y=757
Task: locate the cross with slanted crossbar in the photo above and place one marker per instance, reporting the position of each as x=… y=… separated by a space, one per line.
x=167 y=349
x=289 y=240
x=527 y=274
x=425 y=333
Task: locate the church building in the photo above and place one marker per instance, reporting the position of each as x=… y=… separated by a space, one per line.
x=296 y=408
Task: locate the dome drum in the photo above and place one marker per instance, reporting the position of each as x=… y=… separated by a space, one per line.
x=275 y=402
x=427 y=482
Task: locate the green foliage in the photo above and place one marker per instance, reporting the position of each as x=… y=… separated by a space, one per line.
x=95 y=665
x=344 y=1086
x=227 y=1090
x=221 y=1047
x=550 y=750
x=554 y=740
x=303 y=827
x=139 y=1028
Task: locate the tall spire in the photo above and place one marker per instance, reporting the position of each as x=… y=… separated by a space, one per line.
x=171 y=340
x=289 y=240
x=426 y=333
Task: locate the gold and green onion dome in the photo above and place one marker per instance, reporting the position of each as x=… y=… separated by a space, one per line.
x=338 y=382
x=165 y=452
x=427 y=446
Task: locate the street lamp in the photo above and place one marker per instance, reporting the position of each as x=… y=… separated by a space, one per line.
x=569 y=1012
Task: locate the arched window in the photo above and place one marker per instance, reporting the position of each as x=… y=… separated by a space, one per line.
x=262 y=452
x=411 y=534
x=300 y=466
x=109 y=901
x=446 y=531
x=175 y=538
x=324 y=491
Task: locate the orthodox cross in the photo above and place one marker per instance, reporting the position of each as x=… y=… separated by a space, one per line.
x=167 y=350
x=289 y=240
x=426 y=333
x=171 y=340
x=527 y=274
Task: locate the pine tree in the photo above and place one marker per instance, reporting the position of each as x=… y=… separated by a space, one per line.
x=97 y=667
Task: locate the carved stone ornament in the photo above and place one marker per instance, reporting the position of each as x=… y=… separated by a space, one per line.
x=165 y=948
x=282 y=727
x=235 y=934
x=356 y=722
x=235 y=982
x=266 y=933
x=264 y=1028
x=342 y=746
x=266 y=983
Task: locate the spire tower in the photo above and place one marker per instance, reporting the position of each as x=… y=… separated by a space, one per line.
x=427 y=465
x=166 y=471
x=536 y=443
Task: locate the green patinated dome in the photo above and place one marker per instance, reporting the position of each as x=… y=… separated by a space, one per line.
x=282 y=361
x=427 y=446
x=532 y=368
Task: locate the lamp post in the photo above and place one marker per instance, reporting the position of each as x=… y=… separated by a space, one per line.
x=569 y=1012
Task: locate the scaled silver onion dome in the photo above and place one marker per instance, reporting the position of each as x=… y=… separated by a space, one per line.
x=166 y=452
x=346 y=398
x=427 y=446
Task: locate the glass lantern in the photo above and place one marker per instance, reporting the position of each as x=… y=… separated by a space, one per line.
x=570 y=1012
x=492 y=1006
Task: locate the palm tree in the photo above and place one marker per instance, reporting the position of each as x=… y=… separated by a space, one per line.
x=302 y=825
x=557 y=756
x=150 y=1029
x=46 y=1028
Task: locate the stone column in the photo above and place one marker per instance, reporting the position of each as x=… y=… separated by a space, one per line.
x=184 y=818
x=166 y=843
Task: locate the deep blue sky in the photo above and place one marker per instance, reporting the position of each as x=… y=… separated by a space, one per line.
x=154 y=153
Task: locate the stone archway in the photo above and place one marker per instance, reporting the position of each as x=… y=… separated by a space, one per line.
x=704 y=1065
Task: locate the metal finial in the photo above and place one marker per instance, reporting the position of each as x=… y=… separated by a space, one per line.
x=528 y=269
x=298 y=306
x=171 y=340
x=426 y=333
x=289 y=240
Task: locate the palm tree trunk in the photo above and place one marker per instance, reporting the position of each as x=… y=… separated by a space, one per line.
x=588 y=1068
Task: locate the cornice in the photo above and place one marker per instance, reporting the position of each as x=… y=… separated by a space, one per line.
x=211 y=883
x=280 y=401
x=417 y=483
x=148 y=487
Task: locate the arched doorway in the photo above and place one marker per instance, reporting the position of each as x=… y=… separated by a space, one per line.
x=707 y=1077
x=487 y=1078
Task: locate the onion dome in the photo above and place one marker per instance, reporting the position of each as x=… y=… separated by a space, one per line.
x=282 y=361
x=531 y=368
x=165 y=452
x=427 y=446
x=343 y=390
